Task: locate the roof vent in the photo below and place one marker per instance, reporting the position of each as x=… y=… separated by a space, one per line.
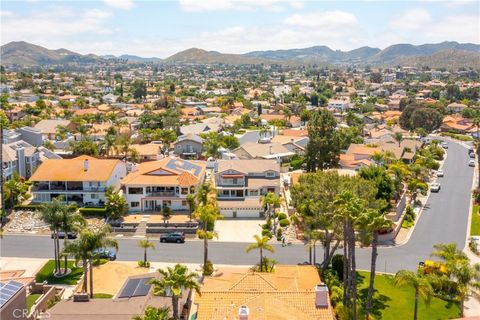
x=243 y=312
x=85 y=165
x=321 y=295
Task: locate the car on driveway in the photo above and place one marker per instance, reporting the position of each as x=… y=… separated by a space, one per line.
x=435 y=187
x=104 y=253
x=471 y=163
x=61 y=235
x=440 y=173
x=177 y=237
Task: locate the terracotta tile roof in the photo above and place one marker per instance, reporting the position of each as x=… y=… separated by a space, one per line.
x=168 y=172
x=73 y=169
x=295 y=133
x=287 y=293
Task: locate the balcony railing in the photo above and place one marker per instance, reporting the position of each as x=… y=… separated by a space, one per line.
x=162 y=194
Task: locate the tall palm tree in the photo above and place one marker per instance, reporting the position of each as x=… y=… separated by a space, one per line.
x=260 y=243
x=372 y=221
x=71 y=221
x=16 y=190
x=51 y=214
x=448 y=252
x=205 y=194
x=192 y=203
x=152 y=313
x=207 y=214
x=146 y=244
x=270 y=201
x=84 y=249
x=466 y=277
x=109 y=143
x=420 y=284
x=173 y=281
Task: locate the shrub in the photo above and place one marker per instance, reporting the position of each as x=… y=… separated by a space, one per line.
x=208 y=268
x=265 y=226
x=284 y=223
x=476 y=195
x=337 y=265
x=95 y=212
x=279 y=234
x=144 y=264
x=409 y=219
x=266 y=233
x=282 y=216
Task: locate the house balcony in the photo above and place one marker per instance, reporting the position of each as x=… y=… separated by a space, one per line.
x=162 y=194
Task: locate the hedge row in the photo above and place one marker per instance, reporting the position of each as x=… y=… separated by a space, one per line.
x=97 y=212
x=27 y=207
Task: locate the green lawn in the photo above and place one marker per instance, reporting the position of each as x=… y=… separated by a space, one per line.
x=31 y=300
x=475 y=228
x=46 y=273
x=392 y=303
x=102 y=296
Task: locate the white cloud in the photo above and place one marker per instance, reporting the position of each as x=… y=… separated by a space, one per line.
x=228 y=5
x=322 y=19
x=120 y=4
x=4 y=13
x=411 y=19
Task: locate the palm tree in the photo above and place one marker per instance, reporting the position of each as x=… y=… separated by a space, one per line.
x=372 y=221
x=270 y=201
x=15 y=190
x=152 y=313
x=260 y=243
x=466 y=277
x=84 y=249
x=51 y=214
x=109 y=143
x=207 y=214
x=398 y=136
x=205 y=194
x=449 y=253
x=172 y=282
x=145 y=245
x=420 y=284
x=191 y=202
x=71 y=221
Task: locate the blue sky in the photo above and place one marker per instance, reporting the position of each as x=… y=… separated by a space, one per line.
x=162 y=28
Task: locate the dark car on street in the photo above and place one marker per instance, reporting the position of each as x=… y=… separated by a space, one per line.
x=61 y=235
x=104 y=253
x=177 y=237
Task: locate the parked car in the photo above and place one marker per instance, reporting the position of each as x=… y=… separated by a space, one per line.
x=104 y=253
x=435 y=187
x=445 y=145
x=177 y=237
x=70 y=235
x=440 y=173
x=471 y=163
x=472 y=155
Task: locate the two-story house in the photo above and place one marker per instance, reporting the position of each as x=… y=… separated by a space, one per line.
x=241 y=183
x=83 y=179
x=154 y=185
x=188 y=146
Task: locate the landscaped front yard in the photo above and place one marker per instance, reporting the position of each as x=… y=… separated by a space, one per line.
x=46 y=273
x=475 y=227
x=392 y=303
x=31 y=300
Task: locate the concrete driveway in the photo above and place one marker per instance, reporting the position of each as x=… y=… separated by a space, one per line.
x=238 y=230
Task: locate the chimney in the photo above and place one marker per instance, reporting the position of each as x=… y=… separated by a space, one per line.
x=85 y=165
x=243 y=313
x=321 y=295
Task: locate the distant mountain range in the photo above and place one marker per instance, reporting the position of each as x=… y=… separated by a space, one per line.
x=447 y=54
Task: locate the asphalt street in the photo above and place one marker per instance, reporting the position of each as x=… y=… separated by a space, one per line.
x=445 y=219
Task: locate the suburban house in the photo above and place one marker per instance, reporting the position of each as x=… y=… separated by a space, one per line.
x=458 y=124
x=188 y=146
x=163 y=183
x=241 y=183
x=291 y=292
x=272 y=150
x=48 y=127
x=456 y=107
x=83 y=179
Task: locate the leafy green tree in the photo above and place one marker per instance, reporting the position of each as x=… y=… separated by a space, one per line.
x=139 y=89
x=230 y=142
x=383 y=183
x=212 y=143
x=261 y=243
x=84 y=147
x=174 y=281
x=420 y=285
x=415 y=117
x=323 y=149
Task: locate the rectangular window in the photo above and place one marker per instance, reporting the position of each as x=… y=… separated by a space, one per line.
x=133 y=190
x=184 y=190
x=270 y=174
x=184 y=203
x=94 y=196
x=134 y=204
x=167 y=203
